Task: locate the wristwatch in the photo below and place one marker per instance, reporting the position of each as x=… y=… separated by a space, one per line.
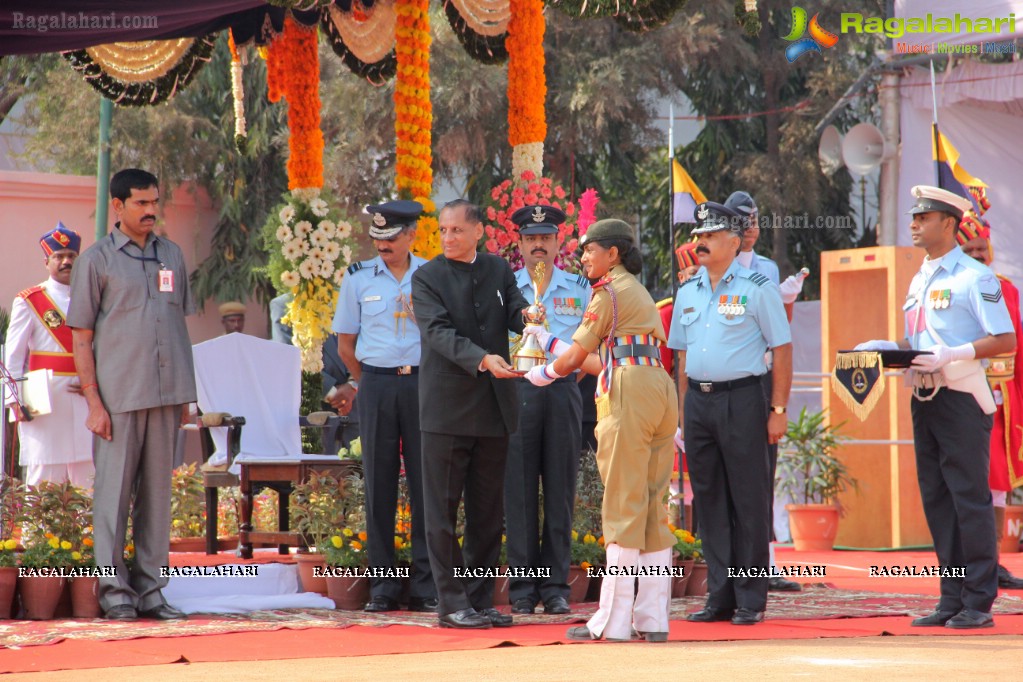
x=779 y=409
x=354 y=384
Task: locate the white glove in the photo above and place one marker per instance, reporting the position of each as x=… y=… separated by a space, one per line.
x=679 y=443
x=791 y=287
x=877 y=344
x=548 y=341
x=542 y=375
x=941 y=356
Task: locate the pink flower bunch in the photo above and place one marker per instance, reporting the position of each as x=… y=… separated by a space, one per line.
x=502 y=235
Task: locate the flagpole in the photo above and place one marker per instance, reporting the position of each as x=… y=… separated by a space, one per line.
x=671 y=196
x=934 y=129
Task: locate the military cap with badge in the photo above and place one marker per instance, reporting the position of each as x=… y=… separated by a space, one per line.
x=538 y=219
x=714 y=217
x=60 y=238
x=391 y=217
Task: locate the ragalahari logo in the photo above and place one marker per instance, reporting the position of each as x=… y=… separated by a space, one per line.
x=818 y=40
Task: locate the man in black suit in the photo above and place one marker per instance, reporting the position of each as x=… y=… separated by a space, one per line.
x=465 y=303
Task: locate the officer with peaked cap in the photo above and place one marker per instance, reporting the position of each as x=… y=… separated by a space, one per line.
x=637 y=417
x=724 y=318
x=545 y=448
x=955 y=312
x=380 y=345
x=57 y=446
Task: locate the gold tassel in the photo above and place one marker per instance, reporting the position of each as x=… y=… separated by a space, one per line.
x=859 y=360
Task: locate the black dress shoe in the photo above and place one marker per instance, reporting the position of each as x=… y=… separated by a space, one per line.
x=779 y=584
x=496 y=618
x=423 y=604
x=969 y=619
x=121 y=612
x=523 y=605
x=556 y=606
x=163 y=612
x=747 y=617
x=380 y=603
x=1007 y=580
x=709 y=615
x=936 y=619
x=466 y=619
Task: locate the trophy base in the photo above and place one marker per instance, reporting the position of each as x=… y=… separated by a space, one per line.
x=524 y=363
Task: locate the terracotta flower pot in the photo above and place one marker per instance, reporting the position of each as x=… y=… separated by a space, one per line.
x=1011 y=532
x=310 y=583
x=348 y=592
x=578 y=582
x=40 y=595
x=697 y=584
x=679 y=584
x=813 y=526
x=85 y=598
x=8 y=584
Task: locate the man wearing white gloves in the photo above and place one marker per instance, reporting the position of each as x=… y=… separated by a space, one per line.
x=954 y=311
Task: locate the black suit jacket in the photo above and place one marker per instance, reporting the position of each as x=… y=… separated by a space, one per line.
x=465 y=311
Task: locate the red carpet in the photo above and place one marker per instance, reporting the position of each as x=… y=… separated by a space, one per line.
x=844 y=570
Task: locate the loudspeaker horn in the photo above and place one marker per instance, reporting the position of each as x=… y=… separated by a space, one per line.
x=829 y=151
x=864 y=149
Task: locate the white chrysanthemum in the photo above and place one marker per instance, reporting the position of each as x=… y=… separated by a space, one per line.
x=293 y=249
x=344 y=229
x=287 y=214
x=316 y=253
x=308 y=268
x=331 y=251
x=318 y=207
x=318 y=239
x=284 y=233
x=326 y=269
x=328 y=228
x=290 y=279
x=346 y=253
x=303 y=228
x=338 y=276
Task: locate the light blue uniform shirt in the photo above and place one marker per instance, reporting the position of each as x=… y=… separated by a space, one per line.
x=974 y=308
x=370 y=296
x=722 y=349
x=765 y=266
x=566 y=299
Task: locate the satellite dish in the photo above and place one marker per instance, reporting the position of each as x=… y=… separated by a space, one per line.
x=829 y=151
x=864 y=149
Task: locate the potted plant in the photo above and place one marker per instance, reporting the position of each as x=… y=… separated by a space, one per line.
x=347 y=583
x=812 y=477
x=320 y=506
x=85 y=588
x=40 y=579
x=686 y=550
x=586 y=552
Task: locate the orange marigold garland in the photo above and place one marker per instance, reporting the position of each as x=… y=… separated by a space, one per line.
x=527 y=86
x=293 y=70
x=413 y=117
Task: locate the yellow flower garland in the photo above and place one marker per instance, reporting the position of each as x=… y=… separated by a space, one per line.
x=413 y=117
x=527 y=86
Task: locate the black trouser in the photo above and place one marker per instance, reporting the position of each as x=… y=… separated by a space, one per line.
x=952 y=437
x=726 y=448
x=767 y=381
x=388 y=407
x=474 y=464
x=545 y=449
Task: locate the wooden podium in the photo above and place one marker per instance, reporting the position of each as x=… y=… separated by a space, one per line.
x=862 y=293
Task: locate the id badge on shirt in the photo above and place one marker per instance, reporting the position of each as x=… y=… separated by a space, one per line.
x=166 y=279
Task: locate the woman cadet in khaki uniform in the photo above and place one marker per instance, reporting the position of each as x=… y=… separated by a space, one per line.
x=637 y=413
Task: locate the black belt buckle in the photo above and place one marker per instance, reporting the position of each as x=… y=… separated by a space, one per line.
x=405 y=369
x=707 y=386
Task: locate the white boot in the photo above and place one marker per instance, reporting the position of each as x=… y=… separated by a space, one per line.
x=613 y=619
x=653 y=599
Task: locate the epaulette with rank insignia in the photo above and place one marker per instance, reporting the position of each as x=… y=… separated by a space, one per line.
x=689 y=281
x=582 y=281
x=25 y=293
x=757 y=278
x=601 y=282
x=358 y=265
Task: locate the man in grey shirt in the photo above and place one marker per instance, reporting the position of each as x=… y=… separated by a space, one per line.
x=129 y=298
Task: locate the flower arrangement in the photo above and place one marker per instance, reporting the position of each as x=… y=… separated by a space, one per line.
x=345 y=549
x=85 y=555
x=238 y=93
x=527 y=86
x=310 y=246
x=413 y=118
x=353 y=451
x=502 y=235
x=687 y=545
x=47 y=551
x=586 y=550
x=188 y=503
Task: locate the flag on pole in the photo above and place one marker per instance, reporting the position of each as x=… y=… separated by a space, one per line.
x=955 y=178
x=686 y=195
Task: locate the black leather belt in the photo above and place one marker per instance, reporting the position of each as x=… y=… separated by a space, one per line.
x=636 y=350
x=715 y=386
x=404 y=369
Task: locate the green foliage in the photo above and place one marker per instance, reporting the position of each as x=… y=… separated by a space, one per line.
x=188 y=503
x=60 y=509
x=12 y=502
x=586 y=550
x=808 y=471
x=312 y=397
x=323 y=505
x=687 y=545
x=43 y=552
x=589 y=495
x=344 y=550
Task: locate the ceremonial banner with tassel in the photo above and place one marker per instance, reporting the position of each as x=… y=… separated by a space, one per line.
x=858 y=381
